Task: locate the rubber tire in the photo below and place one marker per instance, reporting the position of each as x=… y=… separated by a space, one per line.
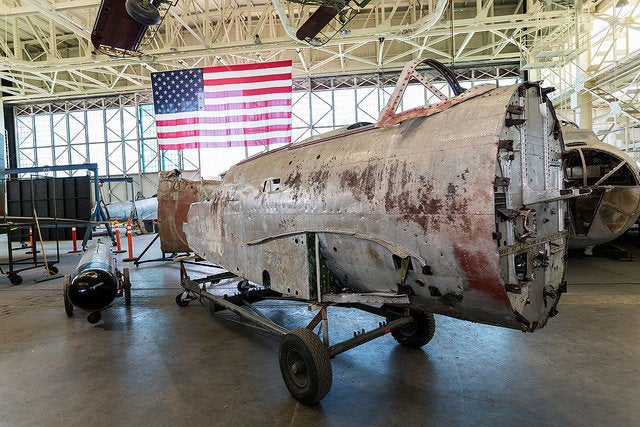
x=417 y=333
x=94 y=317
x=145 y=16
x=68 y=307
x=303 y=348
x=180 y=301
x=127 y=287
x=127 y=296
x=243 y=286
x=15 y=279
x=52 y=269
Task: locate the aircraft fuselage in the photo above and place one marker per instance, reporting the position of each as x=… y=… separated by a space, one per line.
x=461 y=210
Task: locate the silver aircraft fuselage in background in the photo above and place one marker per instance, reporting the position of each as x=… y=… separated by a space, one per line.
x=613 y=205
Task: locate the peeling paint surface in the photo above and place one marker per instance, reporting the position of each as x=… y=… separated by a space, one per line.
x=175 y=196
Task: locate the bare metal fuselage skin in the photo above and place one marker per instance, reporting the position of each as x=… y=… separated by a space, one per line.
x=466 y=201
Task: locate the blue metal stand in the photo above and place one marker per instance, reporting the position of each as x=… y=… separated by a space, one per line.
x=134 y=213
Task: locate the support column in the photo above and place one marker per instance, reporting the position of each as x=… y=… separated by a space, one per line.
x=3 y=134
x=584 y=97
x=585 y=108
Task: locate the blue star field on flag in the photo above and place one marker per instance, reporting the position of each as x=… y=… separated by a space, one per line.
x=240 y=105
x=178 y=91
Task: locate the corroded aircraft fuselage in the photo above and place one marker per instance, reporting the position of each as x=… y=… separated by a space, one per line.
x=457 y=206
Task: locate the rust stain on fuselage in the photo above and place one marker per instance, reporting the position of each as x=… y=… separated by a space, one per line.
x=175 y=196
x=360 y=184
x=318 y=179
x=481 y=273
x=374 y=255
x=349 y=180
x=294 y=180
x=368 y=180
x=463 y=175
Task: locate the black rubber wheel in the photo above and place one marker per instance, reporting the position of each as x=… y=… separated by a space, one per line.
x=305 y=366
x=68 y=307
x=15 y=278
x=244 y=286
x=127 y=295
x=127 y=287
x=182 y=302
x=145 y=14
x=94 y=317
x=417 y=333
x=52 y=269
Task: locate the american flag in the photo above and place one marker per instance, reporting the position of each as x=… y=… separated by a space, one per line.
x=223 y=106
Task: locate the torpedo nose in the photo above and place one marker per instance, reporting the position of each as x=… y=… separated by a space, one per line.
x=92 y=290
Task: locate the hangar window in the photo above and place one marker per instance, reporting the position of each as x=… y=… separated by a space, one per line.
x=119 y=134
x=116 y=133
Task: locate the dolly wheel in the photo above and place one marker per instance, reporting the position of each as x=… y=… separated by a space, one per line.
x=417 y=333
x=94 y=317
x=15 y=278
x=127 y=295
x=244 y=286
x=68 y=307
x=305 y=366
x=182 y=302
x=127 y=287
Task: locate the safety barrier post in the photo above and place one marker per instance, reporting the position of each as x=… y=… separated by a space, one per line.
x=129 y=242
x=32 y=244
x=116 y=226
x=74 y=240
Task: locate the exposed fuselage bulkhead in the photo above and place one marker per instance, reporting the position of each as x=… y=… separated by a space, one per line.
x=461 y=210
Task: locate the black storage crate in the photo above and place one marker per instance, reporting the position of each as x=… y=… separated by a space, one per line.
x=52 y=198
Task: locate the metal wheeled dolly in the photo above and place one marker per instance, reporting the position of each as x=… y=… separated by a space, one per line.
x=304 y=356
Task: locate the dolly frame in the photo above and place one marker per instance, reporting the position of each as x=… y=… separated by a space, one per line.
x=305 y=357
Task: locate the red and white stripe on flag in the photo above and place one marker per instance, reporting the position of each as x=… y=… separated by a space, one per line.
x=231 y=106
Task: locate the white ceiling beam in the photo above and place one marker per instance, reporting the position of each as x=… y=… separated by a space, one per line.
x=208 y=32
x=7 y=11
x=47 y=10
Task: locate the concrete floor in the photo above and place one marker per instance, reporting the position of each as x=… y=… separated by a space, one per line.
x=158 y=364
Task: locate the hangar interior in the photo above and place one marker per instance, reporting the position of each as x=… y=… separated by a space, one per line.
x=81 y=116
x=57 y=85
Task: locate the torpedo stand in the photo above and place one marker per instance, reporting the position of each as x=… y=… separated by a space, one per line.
x=304 y=357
